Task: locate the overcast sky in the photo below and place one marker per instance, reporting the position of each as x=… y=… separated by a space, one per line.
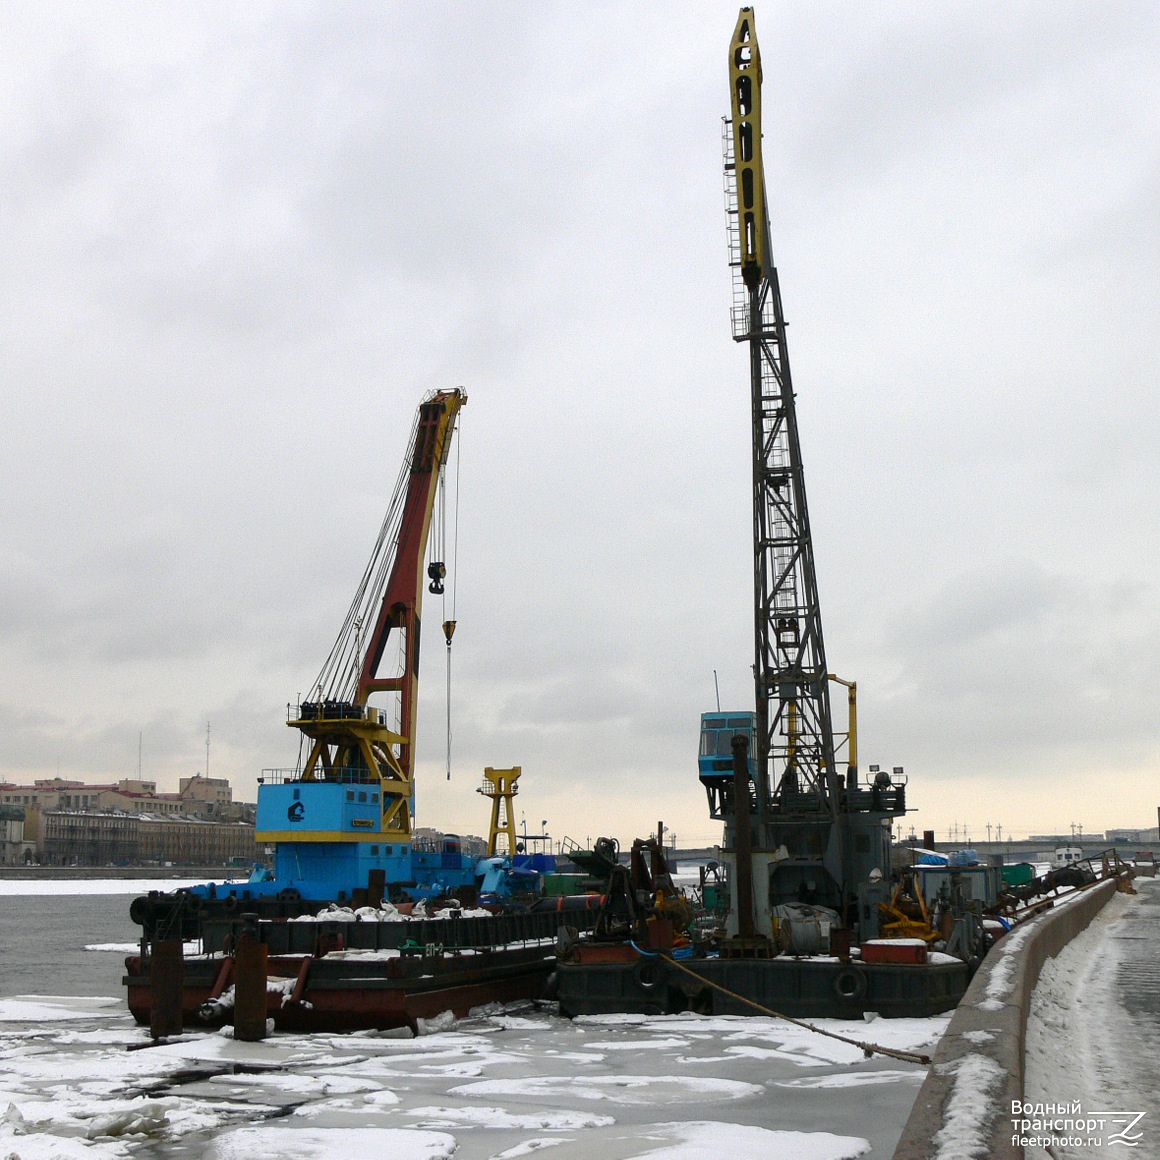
x=240 y=243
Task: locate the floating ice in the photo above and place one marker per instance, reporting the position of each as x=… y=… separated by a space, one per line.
x=317 y=1084
x=857 y=1079
x=699 y=1140
x=552 y=1120
x=624 y=1089
x=442 y=1022
x=144 y=1118
x=369 y=1103
x=56 y=1008
x=528 y=1147
x=73 y=1083
x=659 y=1044
x=60 y=1148
x=709 y=1140
x=297 y=1143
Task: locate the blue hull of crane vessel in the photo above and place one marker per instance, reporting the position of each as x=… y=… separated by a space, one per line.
x=330 y=871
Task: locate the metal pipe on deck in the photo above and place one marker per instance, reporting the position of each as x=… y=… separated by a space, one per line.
x=743 y=837
x=376 y=888
x=167 y=987
x=250 y=983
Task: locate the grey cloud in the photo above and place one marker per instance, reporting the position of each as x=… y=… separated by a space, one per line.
x=244 y=241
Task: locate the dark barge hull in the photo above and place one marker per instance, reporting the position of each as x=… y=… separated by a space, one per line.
x=343 y=994
x=409 y=970
x=801 y=988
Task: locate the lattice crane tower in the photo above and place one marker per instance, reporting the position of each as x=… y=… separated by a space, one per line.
x=794 y=735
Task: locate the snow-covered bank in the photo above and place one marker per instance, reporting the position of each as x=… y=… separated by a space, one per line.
x=1089 y=1038
x=964 y=1109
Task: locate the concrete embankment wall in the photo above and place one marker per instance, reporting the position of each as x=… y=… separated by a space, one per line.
x=966 y=1098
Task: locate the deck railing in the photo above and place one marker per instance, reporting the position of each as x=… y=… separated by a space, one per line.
x=343 y=774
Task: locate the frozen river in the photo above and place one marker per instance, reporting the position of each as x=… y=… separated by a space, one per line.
x=505 y=1083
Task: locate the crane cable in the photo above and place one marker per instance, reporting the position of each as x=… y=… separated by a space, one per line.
x=449 y=623
x=441 y=552
x=867 y=1049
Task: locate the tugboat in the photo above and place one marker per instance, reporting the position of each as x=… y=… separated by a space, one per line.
x=396 y=934
x=807 y=849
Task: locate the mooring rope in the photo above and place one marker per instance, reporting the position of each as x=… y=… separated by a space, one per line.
x=869 y=1049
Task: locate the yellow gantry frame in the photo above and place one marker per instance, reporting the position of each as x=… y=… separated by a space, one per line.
x=338 y=744
x=500 y=785
x=745 y=87
x=362 y=742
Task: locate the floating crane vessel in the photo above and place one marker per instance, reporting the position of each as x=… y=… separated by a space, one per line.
x=341 y=941
x=807 y=848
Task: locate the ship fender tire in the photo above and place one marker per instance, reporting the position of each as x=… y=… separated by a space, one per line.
x=647 y=973
x=850 y=985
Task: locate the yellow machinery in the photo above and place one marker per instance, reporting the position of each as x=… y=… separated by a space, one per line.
x=906 y=914
x=500 y=785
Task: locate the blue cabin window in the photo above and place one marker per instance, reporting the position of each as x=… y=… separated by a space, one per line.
x=297 y=794
x=716 y=750
x=362 y=796
x=387 y=850
x=374 y=851
x=350 y=795
x=718 y=742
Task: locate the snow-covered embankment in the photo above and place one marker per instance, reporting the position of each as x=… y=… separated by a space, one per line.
x=963 y=1107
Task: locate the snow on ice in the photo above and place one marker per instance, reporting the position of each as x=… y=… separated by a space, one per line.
x=502 y=1084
